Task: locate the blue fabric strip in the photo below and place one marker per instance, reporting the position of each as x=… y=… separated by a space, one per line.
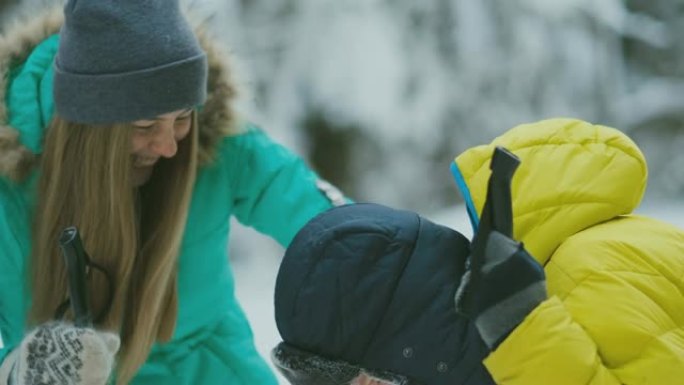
x=465 y=192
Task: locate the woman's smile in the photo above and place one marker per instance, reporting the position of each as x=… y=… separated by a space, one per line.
x=140 y=161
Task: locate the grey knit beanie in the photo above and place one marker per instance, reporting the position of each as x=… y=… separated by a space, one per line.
x=125 y=60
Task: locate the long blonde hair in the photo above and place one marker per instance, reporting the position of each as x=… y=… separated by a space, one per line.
x=134 y=233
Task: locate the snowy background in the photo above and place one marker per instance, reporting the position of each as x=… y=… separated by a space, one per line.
x=378 y=94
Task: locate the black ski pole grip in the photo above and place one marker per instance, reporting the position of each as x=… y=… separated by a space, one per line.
x=76 y=260
x=504 y=164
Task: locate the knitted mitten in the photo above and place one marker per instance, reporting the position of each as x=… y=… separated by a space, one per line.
x=60 y=353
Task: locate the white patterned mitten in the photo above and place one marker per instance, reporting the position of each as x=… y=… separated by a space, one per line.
x=59 y=353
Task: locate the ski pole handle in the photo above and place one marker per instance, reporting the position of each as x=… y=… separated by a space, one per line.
x=76 y=260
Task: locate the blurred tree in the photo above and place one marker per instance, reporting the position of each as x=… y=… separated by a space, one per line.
x=5 y=7
x=656 y=80
x=330 y=150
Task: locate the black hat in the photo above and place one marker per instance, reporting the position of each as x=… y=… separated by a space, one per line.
x=364 y=287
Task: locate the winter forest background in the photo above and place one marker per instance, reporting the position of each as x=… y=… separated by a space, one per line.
x=380 y=95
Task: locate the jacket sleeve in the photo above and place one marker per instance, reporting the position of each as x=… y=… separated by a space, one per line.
x=615 y=316
x=12 y=279
x=274 y=190
x=549 y=347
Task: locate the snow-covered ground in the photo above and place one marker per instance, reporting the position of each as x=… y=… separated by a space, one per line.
x=257 y=267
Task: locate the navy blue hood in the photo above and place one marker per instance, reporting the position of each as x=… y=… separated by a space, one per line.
x=374 y=287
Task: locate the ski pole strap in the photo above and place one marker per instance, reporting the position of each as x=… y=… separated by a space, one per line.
x=497 y=214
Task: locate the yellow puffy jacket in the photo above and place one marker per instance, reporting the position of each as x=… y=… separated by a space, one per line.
x=615 y=312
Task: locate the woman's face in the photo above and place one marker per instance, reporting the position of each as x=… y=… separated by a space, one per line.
x=156 y=138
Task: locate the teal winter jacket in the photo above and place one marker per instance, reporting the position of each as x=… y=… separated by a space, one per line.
x=254 y=179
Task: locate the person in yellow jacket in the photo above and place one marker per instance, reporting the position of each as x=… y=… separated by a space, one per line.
x=365 y=293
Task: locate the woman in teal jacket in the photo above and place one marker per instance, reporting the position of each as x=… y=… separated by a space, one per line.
x=106 y=126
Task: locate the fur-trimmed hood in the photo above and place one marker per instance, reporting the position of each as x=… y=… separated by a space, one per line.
x=216 y=119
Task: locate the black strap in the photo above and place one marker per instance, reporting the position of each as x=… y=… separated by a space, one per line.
x=497 y=214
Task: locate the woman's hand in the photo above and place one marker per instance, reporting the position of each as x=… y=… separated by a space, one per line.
x=60 y=353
